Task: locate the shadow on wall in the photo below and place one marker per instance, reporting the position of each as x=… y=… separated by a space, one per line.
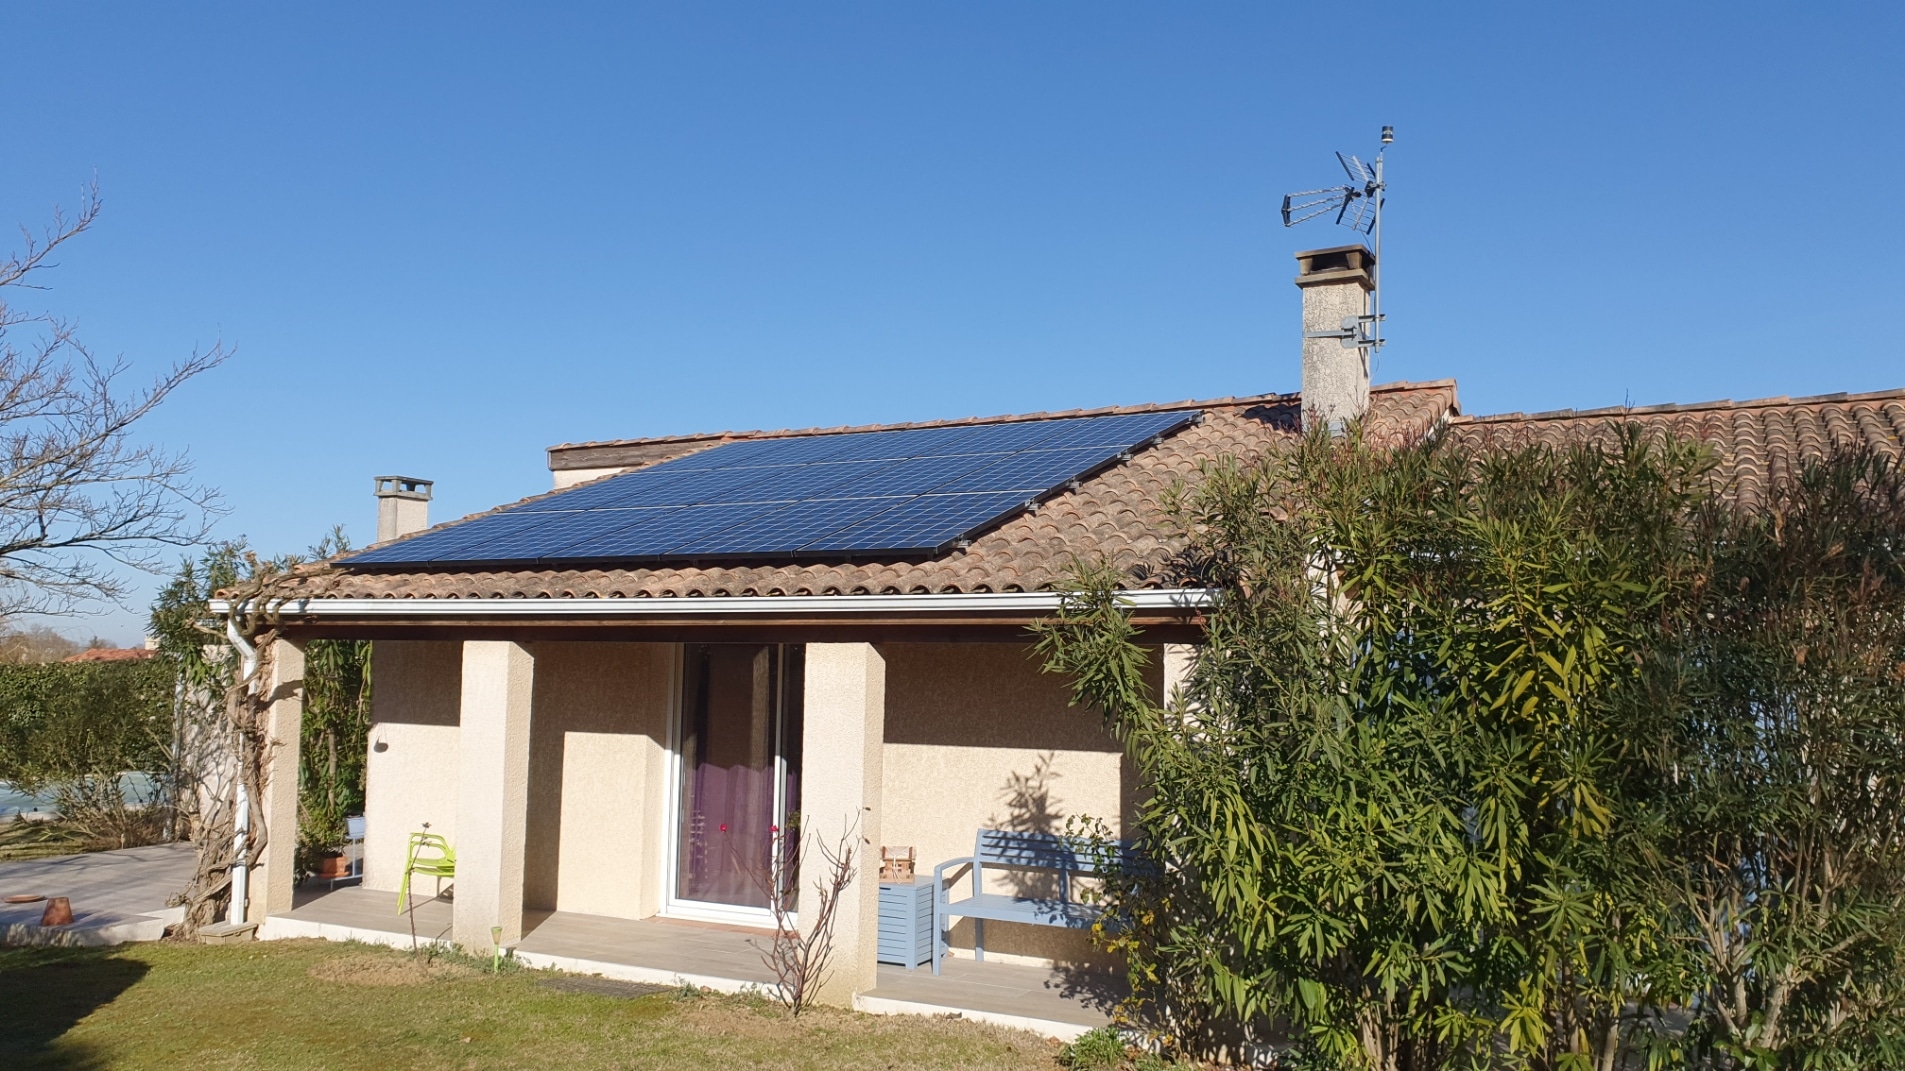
x=984 y=695
x=419 y=682
x=1085 y=973
x=1031 y=808
x=44 y=993
x=542 y=824
x=1030 y=805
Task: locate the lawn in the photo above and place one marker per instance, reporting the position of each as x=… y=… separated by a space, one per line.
x=312 y=1004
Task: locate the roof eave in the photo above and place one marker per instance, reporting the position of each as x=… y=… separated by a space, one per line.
x=755 y=607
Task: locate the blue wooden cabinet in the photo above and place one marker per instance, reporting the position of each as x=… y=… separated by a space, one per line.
x=906 y=922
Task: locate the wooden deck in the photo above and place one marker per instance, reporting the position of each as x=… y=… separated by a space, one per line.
x=360 y=914
x=1034 y=998
x=1059 y=1002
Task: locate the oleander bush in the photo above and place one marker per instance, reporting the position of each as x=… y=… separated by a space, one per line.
x=1519 y=757
x=336 y=739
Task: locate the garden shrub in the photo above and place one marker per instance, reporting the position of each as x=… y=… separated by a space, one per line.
x=74 y=728
x=335 y=739
x=1095 y=1050
x=1518 y=757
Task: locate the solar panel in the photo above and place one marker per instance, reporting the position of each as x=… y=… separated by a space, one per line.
x=911 y=491
x=652 y=533
x=1030 y=472
x=922 y=521
x=455 y=543
x=788 y=528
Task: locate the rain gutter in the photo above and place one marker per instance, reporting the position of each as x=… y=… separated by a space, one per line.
x=1186 y=600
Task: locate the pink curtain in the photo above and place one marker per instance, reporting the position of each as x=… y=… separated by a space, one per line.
x=736 y=709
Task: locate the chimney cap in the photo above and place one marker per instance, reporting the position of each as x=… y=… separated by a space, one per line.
x=1337 y=264
x=404 y=487
x=1353 y=246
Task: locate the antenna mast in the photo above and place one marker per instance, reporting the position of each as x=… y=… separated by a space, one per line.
x=1358 y=206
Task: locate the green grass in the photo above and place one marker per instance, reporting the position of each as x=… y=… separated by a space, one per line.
x=294 y=1005
x=1104 y=1049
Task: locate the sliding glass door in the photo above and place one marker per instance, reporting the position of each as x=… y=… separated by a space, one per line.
x=738 y=777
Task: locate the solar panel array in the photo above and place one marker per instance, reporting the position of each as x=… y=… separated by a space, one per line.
x=911 y=491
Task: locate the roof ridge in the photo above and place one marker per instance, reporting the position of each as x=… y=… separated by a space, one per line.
x=973 y=421
x=1232 y=402
x=1406 y=384
x=1682 y=407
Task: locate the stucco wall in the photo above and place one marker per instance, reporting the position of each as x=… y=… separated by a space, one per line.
x=412 y=766
x=597 y=776
x=977 y=737
x=571 y=477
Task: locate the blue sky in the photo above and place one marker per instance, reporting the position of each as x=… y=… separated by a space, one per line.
x=446 y=237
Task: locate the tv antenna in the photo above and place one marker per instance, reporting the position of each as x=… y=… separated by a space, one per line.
x=1358 y=206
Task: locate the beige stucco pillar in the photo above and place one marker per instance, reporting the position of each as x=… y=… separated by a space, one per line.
x=271 y=886
x=1178 y=660
x=841 y=770
x=492 y=791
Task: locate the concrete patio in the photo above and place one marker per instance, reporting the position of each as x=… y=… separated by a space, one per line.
x=116 y=896
x=1058 y=1002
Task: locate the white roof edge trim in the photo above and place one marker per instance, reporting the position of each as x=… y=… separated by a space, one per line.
x=1045 y=601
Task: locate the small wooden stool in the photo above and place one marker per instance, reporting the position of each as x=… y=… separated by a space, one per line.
x=896 y=864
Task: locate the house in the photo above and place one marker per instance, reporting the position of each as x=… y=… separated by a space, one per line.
x=112 y=654
x=614 y=739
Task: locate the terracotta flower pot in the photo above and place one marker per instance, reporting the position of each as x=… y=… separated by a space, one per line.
x=334 y=866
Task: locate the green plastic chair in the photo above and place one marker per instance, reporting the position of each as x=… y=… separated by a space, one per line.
x=431 y=856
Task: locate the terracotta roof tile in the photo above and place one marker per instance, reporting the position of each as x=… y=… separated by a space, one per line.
x=1756 y=443
x=112 y=654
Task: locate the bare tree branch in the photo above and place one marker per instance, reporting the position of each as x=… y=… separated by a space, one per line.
x=80 y=498
x=801 y=962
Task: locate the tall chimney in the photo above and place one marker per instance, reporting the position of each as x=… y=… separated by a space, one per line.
x=1336 y=283
x=403 y=506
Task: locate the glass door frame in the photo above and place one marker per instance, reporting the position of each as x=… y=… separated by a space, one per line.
x=703 y=910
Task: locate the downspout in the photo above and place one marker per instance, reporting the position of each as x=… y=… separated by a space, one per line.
x=241 y=819
x=178 y=754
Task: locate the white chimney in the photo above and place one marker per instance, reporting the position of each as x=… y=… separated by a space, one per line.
x=403 y=506
x=1336 y=283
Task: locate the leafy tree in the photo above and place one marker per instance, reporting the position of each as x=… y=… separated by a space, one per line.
x=201 y=667
x=1395 y=807
x=224 y=740
x=36 y=643
x=1786 y=812
x=336 y=737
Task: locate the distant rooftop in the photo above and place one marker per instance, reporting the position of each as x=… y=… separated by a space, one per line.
x=111 y=654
